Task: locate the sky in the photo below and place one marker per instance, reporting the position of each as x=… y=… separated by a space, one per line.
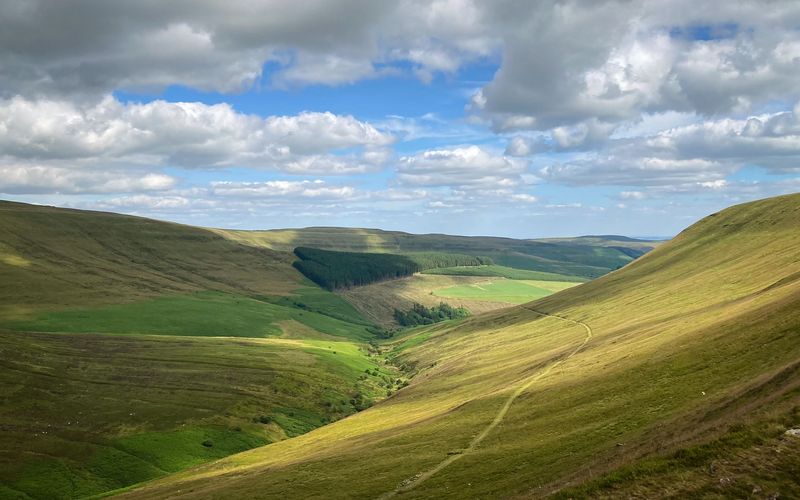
x=509 y=118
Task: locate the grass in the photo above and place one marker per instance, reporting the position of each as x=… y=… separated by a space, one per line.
x=733 y=465
x=503 y=272
x=695 y=337
x=52 y=259
x=170 y=346
x=505 y=291
x=204 y=314
x=84 y=414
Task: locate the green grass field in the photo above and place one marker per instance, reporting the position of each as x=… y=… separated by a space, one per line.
x=507 y=291
x=204 y=314
x=688 y=346
x=502 y=272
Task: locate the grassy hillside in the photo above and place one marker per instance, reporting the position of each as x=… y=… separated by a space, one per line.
x=587 y=258
x=690 y=345
x=53 y=257
x=134 y=348
x=83 y=414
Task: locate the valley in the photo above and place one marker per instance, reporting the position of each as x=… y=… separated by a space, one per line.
x=141 y=348
x=686 y=348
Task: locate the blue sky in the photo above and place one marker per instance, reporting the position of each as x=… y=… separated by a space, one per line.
x=452 y=116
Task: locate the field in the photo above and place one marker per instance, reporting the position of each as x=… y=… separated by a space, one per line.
x=684 y=361
x=379 y=300
x=503 y=272
x=504 y=290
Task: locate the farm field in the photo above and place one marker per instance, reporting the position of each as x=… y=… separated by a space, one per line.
x=506 y=291
x=378 y=301
x=503 y=272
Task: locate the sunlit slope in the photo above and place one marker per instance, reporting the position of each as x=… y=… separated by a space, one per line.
x=697 y=335
x=583 y=257
x=52 y=257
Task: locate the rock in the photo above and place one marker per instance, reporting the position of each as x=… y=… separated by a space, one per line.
x=793 y=432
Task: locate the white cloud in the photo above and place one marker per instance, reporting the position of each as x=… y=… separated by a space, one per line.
x=523 y=197
x=632 y=195
x=697 y=156
x=571 y=61
x=316 y=189
x=467 y=166
x=36 y=179
x=188 y=135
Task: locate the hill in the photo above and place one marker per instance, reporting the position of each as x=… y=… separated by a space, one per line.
x=583 y=257
x=133 y=348
x=662 y=377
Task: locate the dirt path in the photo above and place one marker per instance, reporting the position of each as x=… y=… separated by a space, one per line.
x=413 y=482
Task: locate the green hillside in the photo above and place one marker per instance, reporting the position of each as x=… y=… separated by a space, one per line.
x=133 y=348
x=584 y=257
x=656 y=379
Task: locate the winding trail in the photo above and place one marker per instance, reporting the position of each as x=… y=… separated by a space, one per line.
x=413 y=482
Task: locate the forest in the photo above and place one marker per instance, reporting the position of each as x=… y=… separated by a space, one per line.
x=334 y=270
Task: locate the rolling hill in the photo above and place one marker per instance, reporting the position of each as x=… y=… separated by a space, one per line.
x=672 y=376
x=132 y=348
x=129 y=345
x=586 y=257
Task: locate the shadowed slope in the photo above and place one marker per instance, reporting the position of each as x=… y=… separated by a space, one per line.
x=687 y=340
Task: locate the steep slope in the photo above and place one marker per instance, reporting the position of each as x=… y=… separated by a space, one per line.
x=668 y=353
x=584 y=257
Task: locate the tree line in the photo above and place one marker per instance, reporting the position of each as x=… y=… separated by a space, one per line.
x=333 y=270
x=421 y=315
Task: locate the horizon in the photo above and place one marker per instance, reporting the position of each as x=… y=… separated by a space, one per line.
x=555 y=237
x=431 y=117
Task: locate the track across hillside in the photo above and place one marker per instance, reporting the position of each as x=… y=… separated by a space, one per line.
x=413 y=482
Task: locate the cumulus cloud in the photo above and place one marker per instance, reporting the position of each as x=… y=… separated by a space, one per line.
x=465 y=167
x=570 y=61
x=37 y=179
x=316 y=189
x=189 y=135
x=699 y=155
x=93 y=47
